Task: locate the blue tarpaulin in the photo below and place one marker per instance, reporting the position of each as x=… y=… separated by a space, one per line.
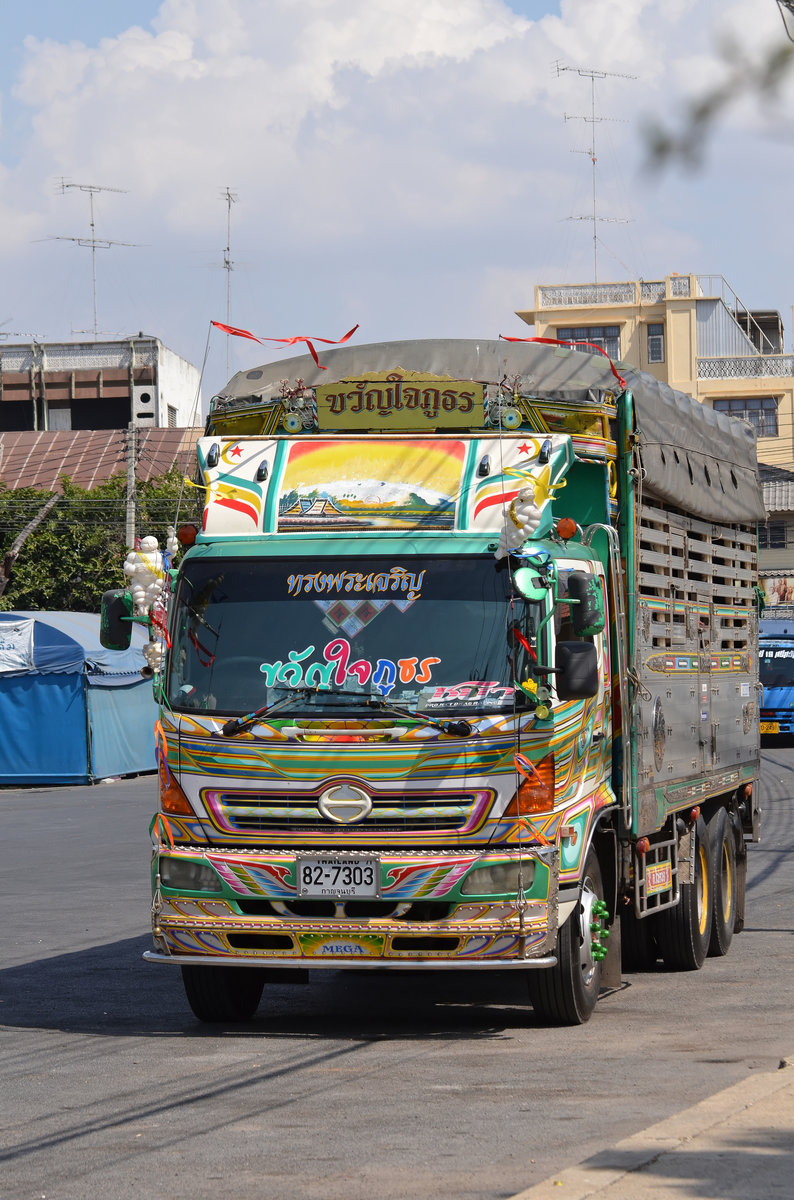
x=70 y=710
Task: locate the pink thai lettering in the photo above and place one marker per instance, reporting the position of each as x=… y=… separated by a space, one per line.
x=338 y=651
x=361 y=669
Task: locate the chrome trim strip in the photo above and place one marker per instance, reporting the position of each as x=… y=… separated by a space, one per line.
x=311 y=964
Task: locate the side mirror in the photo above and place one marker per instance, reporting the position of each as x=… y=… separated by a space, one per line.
x=115 y=627
x=587 y=614
x=576 y=665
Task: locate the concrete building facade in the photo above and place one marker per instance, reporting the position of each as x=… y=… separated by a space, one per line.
x=61 y=386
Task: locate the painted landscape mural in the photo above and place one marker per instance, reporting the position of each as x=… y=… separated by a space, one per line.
x=368 y=484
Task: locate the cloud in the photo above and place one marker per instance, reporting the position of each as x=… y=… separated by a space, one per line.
x=401 y=162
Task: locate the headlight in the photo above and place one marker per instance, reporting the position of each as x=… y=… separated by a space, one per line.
x=498 y=879
x=188 y=875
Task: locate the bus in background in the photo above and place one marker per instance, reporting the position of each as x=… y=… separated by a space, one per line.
x=776 y=661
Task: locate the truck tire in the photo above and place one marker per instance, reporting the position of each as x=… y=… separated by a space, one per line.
x=566 y=994
x=724 y=882
x=683 y=933
x=223 y=994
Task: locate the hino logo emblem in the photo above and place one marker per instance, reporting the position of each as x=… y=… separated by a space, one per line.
x=344 y=804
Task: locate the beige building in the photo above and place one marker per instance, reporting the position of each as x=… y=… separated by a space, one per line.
x=692 y=332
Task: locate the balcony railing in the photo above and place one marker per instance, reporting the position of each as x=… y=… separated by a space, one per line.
x=581 y=295
x=749 y=366
x=69 y=356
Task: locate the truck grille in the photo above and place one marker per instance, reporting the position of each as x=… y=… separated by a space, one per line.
x=252 y=812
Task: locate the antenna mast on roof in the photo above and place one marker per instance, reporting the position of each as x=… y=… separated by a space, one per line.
x=231 y=198
x=93 y=241
x=16 y=333
x=592 y=75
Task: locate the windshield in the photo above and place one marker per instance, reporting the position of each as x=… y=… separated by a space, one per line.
x=776 y=665
x=440 y=634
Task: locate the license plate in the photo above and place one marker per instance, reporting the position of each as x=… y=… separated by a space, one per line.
x=332 y=877
x=658 y=878
x=770 y=727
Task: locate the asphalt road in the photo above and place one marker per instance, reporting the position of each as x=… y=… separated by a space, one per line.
x=356 y=1086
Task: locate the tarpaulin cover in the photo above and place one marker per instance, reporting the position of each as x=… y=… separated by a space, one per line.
x=70 y=710
x=701 y=461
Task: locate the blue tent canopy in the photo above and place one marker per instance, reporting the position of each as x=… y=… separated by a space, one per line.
x=71 y=711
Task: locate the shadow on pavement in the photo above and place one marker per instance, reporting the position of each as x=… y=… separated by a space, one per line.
x=110 y=991
x=744 y=1164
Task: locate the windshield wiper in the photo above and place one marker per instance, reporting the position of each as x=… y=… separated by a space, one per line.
x=194 y=612
x=237 y=724
x=460 y=728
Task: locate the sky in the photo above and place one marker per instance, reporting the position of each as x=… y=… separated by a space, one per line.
x=415 y=167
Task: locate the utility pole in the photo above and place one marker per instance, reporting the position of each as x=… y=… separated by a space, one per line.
x=93 y=241
x=592 y=75
x=132 y=504
x=228 y=266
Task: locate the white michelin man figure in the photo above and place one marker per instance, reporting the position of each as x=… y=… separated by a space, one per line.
x=145 y=570
x=522 y=518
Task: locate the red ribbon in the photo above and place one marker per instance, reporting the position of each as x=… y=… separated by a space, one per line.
x=287 y=341
x=556 y=342
x=526 y=768
x=161 y=822
x=520 y=638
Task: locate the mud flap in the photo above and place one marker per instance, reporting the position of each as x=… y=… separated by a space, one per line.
x=611 y=974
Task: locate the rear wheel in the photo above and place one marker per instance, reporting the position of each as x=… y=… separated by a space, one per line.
x=566 y=994
x=683 y=933
x=223 y=994
x=723 y=882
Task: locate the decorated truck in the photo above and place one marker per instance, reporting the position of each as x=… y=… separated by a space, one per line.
x=776 y=658
x=460 y=672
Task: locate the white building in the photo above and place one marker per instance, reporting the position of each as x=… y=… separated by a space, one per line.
x=60 y=386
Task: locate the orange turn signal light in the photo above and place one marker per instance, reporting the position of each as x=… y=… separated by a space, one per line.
x=172 y=798
x=535 y=793
x=186 y=535
x=566 y=528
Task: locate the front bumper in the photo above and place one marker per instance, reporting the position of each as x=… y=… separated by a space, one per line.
x=460 y=964
x=259 y=921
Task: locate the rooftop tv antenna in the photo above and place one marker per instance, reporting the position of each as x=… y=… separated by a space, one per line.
x=593 y=120
x=16 y=333
x=231 y=198
x=92 y=240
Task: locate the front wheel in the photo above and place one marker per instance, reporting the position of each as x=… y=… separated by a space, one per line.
x=223 y=994
x=683 y=933
x=566 y=994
